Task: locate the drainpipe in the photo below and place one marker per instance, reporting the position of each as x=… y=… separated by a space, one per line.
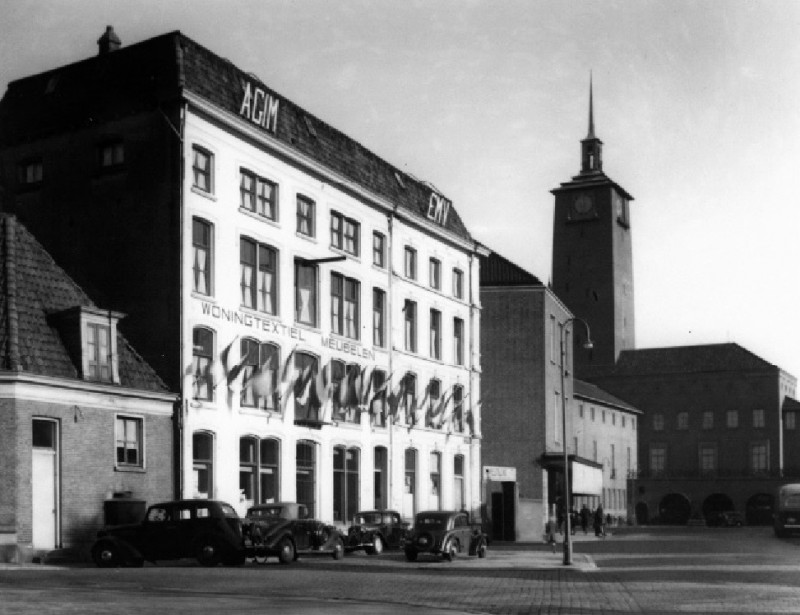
x=390 y=341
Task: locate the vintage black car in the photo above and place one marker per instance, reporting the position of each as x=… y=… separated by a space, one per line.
x=283 y=530
x=207 y=530
x=444 y=533
x=376 y=530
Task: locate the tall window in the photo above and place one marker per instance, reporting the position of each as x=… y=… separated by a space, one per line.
x=258 y=276
x=269 y=471
x=732 y=419
x=379 y=249
x=202 y=356
x=345 y=483
x=202 y=238
x=305 y=298
x=111 y=155
x=435 y=273
x=708 y=458
x=202 y=169
x=436 y=334
x=378 y=402
x=129 y=441
x=261 y=363
x=458 y=283
x=410 y=486
x=380 y=477
x=658 y=422
x=345 y=293
x=434 y=395
x=758 y=418
x=458 y=341
x=305 y=216
x=759 y=457
x=790 y=420
x=708 y=420
x=436 y=479
x=248 y=465
x=459 y=496
x=409 y=401
x=411 y=263
x=410 y=316
x=658 y=458
x=31 y=172
x=344 y=397
x=683 y=420
x=306 y=483
x=306 y=406
x=345 y=233
x=458 y=408
x=203 y=464
x=258 y=195
x=98 y=352
x=378 y=318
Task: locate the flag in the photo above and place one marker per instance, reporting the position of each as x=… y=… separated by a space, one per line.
x=323 y=385
x=397 y=397
x=437 y=414
x=471 y=418
x=363 y=385
x=379 y=393
x=263 y=381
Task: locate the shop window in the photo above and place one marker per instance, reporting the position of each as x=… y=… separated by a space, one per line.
x=345 y=483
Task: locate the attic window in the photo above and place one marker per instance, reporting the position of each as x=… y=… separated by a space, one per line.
x=310 y=126
x=399 y=180
x=51 y=85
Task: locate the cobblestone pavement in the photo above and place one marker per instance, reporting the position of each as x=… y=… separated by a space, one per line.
x=658 y=572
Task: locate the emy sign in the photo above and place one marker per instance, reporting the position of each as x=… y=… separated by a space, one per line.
x=438 y=208
x=259 y=106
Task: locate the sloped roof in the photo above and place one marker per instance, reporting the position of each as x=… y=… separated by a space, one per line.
x=689 y=359
x=497 y=270
x=590 y=391
x=32 y=287
x=790 y=404
x=149 y=75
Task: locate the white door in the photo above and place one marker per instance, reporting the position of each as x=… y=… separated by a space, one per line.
x=44 y=484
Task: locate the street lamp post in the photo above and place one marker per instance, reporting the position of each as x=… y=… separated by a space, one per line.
x=567 y=521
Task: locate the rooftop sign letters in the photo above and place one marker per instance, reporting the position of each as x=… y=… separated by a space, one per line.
x=438 y=208
x=259 y=106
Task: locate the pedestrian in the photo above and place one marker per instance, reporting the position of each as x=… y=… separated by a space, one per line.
x=598 y=522
x=550 y=533
x=585 y=514
x=573 y=521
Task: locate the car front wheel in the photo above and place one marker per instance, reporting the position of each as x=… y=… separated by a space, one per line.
x=207 y=552
x=286 y=553
x=106 y=555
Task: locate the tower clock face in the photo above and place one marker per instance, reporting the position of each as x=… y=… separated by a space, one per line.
x=583 y=204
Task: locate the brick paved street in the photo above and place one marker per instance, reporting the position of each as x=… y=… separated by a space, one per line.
x=666 y=570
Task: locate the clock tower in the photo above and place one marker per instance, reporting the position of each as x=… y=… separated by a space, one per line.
x=592 y=258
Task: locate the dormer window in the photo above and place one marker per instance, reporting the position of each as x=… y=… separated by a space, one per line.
x=111 y=155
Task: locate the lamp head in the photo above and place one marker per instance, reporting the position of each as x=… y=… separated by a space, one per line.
x=588 y=345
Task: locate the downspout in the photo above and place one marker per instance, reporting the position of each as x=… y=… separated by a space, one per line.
x=183 y=402
x=390 y=340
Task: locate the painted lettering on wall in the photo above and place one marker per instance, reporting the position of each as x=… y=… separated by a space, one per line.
x=347 y=347
x=259 y=107
x=438 y=208
x=253 y=322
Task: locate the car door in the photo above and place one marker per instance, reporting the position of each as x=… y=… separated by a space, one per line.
x=159 y=533
x=462 y=531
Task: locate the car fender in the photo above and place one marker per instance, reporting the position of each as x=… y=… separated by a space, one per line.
x=276 y=535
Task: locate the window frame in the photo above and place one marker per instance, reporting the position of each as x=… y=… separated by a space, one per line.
x=207 y=273
x=378 y=317
x=435 y=323
x=379 y=250
x=458 y=341
x=199 y=172
x=30 y=172
x=435 y=273
x=256 y=289
x=116 y=147
x=313 y=303
x=306 y=217
x=345 y=291
x=458 y=283
x=139 y=426
x=345 y=234
x=207 y=377
x=410 y=325
x=410 y=262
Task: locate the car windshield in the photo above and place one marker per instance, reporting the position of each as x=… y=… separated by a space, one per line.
x=793 y=501
x=432 y=522
x=367 y=518
x=270 y=512
x=228 y=511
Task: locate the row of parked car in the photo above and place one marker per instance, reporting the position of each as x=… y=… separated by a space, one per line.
x=212 y=532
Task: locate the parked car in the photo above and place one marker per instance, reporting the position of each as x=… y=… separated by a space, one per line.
x=376 y=530
x=446 y=533
x=727 y=518
x=207 y=530
x=283 y=530
x=787 y=511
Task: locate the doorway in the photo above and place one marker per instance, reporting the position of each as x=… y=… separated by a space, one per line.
x=44 y=484
x=503 y=512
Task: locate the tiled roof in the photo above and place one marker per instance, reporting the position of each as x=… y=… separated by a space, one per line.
x=151 y=74
x=499 y=271
x=689 y=359
x=590 y=391
x=790 y=404
x=33 y=287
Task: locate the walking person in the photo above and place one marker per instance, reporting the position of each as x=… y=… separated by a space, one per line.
x=585 y=514
x=599 y=530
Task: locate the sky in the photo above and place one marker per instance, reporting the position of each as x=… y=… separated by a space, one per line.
x=697 y=103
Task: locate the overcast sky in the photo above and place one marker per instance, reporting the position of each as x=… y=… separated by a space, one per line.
x=698 y=105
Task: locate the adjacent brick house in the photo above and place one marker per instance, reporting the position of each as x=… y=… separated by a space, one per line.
x=82 y=417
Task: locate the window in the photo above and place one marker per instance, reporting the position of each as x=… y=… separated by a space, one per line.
x=790 y=420
x=202 y=356
x=269 y=471
x=436 y=479
x=203 y=464
x=458 y=408
x=202 y=244
x=381 y=458
x=128 y=432
x=658 y=422
x=378 y=249
x=410 y=311
x=409 y=398
x=377 y=403
x=732 y=419
x=345 y=294
x=258 y=265
x=458 y=341
x=202 y=169
x=594 y=450
x=580 y=411
x=759 y=457
x=258 y=195
x=411 y=263
x=591 y=412
x=305 y=216
x=98 y=352
x=459 y=496
x=248 y=462
x=344 y=393
x=305 y=298
x=345 y=483
x=31 y=172
x=436 y=334
x=603 y=414
x=345 y=234
x=708 y=420
x=458 y=283
x=435 y=273
x=553 y=342
x=306 y=486
x=260 y=365
x=111 y=155
x=658 y=458
x=708 y=458
x=306 y=406
x=432 y=418
x=378 y=318
x=683 y=420
x=758 y=418
x=410 y=486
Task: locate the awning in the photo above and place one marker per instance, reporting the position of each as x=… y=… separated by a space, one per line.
x=586 y=475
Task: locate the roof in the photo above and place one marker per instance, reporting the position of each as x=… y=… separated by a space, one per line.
x=592 y=392
x=32 y=288
x=496 y=270
x=790 y=404
x=689 y=359
x=150 y=75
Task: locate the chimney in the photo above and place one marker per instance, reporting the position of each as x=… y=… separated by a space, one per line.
x=109 y=41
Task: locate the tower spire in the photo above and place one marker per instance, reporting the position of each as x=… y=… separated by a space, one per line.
x=591 y=110
x=591 y=146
